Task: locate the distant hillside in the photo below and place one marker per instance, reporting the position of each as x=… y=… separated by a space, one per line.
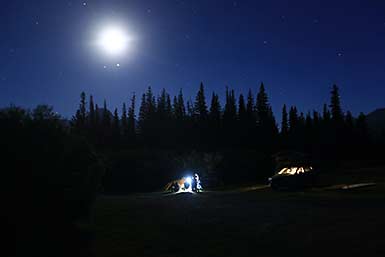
x=376 y=121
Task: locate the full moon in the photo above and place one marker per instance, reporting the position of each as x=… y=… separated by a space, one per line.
x=113 y=40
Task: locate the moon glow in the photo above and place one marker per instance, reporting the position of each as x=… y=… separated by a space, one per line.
x=113 y=40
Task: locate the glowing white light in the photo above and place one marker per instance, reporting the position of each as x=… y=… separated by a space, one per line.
x=188 y=180
x=113 y=40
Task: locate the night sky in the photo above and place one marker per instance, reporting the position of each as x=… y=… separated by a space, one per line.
x=297 y=48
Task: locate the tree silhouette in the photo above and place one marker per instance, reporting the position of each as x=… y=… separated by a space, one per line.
x=131 y=120
x=335 y=105
x=92 y=119
x=285 y=122
x=262 y=105
x=124 y=121
x=200 y=106
x=179 y=107
x=242 y=114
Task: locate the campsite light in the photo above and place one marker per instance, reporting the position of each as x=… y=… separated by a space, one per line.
x=187 y=184
x=188 y=180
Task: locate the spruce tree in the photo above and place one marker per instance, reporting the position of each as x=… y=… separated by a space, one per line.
x=82 y=108
x=200 y=107
x=262 y=105
x=326 y=114
x=215 y=109
x=79 y=120
x=131 y=125
x=190 y=109
x=349 y=121
x=106 y=116
x=143 y=112
x=308 y=121
x=161 y=105
x=285 y=122
x=116 y=125
x=97 y=115
x=179 y=107
x=92 y=112
x=124 y=120
x=242 y=115
x=293 y=119
x=230 y=111
x=250 y=108
x=168 y=108
x=335 y=105
x=316 y=119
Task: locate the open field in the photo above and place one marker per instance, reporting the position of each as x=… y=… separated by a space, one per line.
x=251 y=223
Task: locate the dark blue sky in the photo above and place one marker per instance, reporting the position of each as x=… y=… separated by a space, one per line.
x=297 y=48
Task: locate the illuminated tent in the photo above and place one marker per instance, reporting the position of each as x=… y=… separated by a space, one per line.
x=185 y=184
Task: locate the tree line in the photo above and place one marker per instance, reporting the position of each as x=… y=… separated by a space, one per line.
x=242 y=122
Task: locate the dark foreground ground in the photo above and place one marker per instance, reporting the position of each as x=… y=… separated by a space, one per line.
x=242 y=223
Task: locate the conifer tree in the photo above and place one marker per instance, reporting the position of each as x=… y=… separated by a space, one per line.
x=262 y=105
x=82 y=108
x=293 y=119
x=92 y=112
x=349 y=121
x=131 y=125
x=316 y=119
x=106 y=116
x=250 y=108
x=285 y=122
x=179 y=107
x=161 y=105
x=242 y=115
x=168 y=108
x=143 y=112
x=308 y=121
x=116 y=125
x=335 y=105
x=124 y=120
x=326 y=114
x=215 y=109
x=230 y=111
x=97 y=115
x=200 y=106
x=190 y=108
x=79 y=120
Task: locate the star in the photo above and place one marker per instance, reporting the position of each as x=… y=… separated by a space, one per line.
x=104 y=67
x=118 y=65
x=339 y=54
x=84 y=3
x=265 y=42
x=37 y=22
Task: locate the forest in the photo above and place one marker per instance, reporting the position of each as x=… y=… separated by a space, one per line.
x=229 y=143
